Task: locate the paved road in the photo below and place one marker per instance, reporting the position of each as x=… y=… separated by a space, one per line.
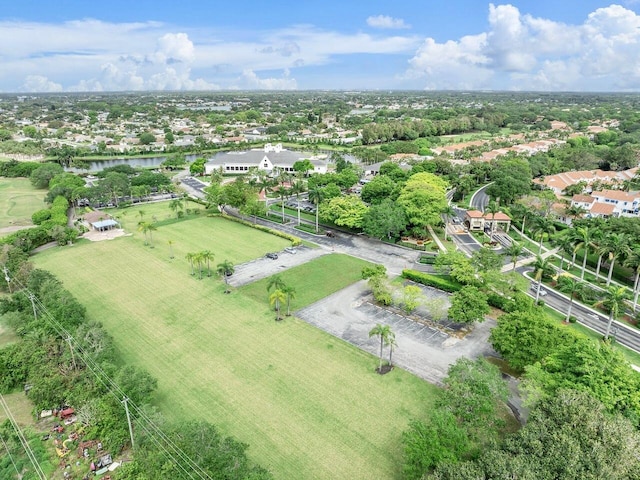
x=480 y=199
x=623 y=334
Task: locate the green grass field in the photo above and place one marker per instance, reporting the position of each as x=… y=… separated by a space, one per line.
x=18 y=200
x=309 y=405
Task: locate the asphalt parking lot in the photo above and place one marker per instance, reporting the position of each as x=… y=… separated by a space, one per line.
x=193 y=183
x=423 y=350
x=265 y=267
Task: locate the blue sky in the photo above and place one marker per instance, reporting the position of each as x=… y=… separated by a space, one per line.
x=584 y=45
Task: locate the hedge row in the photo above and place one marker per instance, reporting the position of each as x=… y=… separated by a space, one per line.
x=441 y=282
x=13 y=168
x=295 y=241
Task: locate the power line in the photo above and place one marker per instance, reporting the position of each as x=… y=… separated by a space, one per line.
x=6 y=447
x=163 y=441
x=23 y=440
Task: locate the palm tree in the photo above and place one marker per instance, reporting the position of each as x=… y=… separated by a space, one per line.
x=618 y=247
x=583 y=238
x=600 y=247
x=384 y=332
x=170 y=242
x=574 y=211
x=543 y=226
x=297 y=188
x=141 y=213
x=514 y=251
x=175 y=206
x=142 y=227
x=290 y=292
x=316 y=196
x=571 y=286
x=448 y=212
x=225 y=269
x=391 y=343
x=276 y=299
x=198 y=260
x=541 y=265
x=191 y=258
x=633 y=261
x=564 y=241
x=492 y=208
x=613 y=301
x=207 y=256
x=283 y=193
x=275 y=281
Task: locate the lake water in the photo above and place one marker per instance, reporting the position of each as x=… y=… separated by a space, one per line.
x=147 y=162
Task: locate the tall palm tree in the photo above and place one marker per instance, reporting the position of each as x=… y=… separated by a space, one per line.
x=225 y=269
x=600 y=247
x=571 y=286
x=633 y=261
x=383 y=332
x=492 y=208
x=448 y=212
x=208 y=257
x=540 y=266
x=191 y=258
x=276 y=299
x=316 y=195
x=297 y=188
x=543 y=226
x=564 y=241
x=290 y=292
x=613 y=301
x=170 y=242
x=513 y=251
x=146 y=228
x=583 y=239
x=618 y=248
x=392 y=344
x=198 y=260
x=276 y=282
x=175 y=206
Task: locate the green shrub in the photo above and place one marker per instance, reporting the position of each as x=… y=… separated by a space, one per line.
x=441 y=282
x=295 y=241
x=40 y=216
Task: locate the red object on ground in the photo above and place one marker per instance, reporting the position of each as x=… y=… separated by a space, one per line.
x=67 y=412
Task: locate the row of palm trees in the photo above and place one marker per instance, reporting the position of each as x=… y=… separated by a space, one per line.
x=204 y=258
x=285 y=185
x=281 y=293
x=613 y=248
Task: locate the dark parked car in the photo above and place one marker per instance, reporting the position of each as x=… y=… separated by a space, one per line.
x=272 y=256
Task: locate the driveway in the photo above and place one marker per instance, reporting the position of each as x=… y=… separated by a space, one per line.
x=265 y=267
x=422 y=350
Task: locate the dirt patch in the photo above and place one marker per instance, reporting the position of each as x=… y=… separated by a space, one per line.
x=13 y=228
x=96 y=236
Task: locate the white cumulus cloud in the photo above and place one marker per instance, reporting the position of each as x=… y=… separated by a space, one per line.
x=522 y=52
x=250 y=80
x=385 y=21
x=39 y=83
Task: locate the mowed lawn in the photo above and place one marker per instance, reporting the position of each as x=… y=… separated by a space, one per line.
x=312 y=281
x=310 y=406
x=18 y=201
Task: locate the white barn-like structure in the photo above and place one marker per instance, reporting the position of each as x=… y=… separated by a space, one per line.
x=269 y=158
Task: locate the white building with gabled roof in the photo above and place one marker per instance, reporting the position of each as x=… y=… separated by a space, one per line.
x=269 y=158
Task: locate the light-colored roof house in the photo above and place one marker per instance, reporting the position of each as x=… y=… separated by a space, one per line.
x=271 y=157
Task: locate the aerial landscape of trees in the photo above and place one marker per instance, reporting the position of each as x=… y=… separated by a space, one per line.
x=394 y=183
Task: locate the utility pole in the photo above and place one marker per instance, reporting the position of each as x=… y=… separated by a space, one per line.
x=73 y=357
x=6 y=277
x=32 y=297
x=126 y=409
